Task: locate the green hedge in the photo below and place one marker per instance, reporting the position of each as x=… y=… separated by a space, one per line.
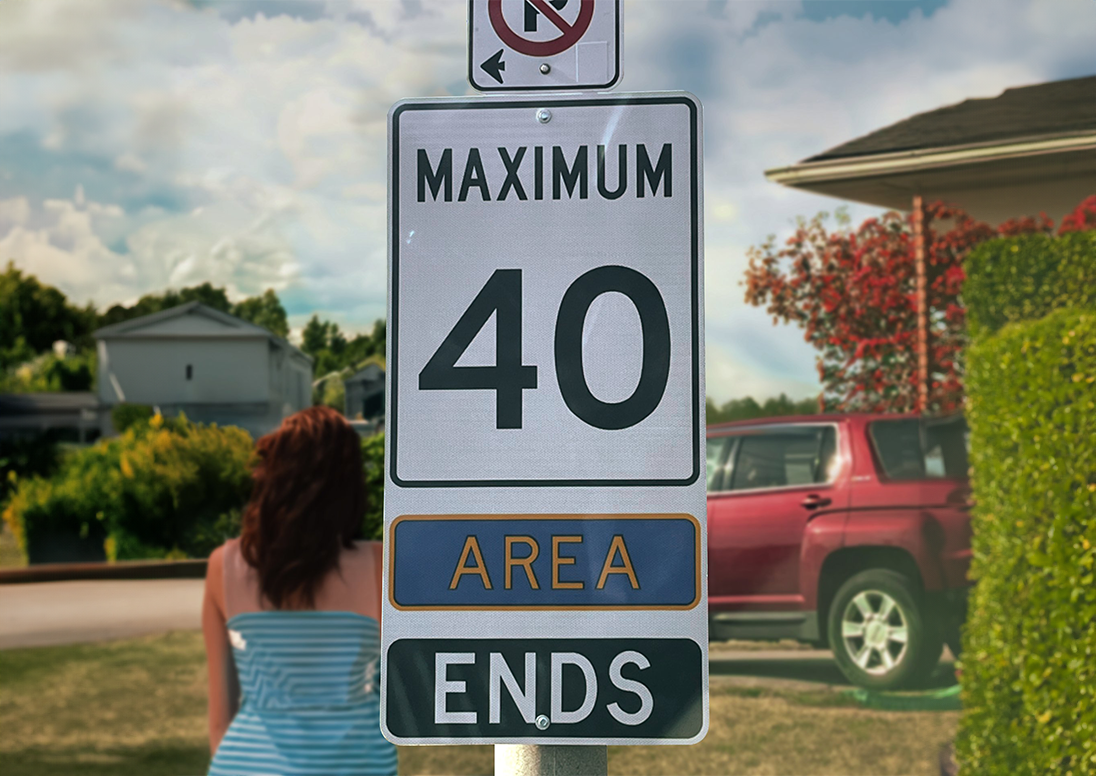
x=122 y=416
x=1029 y=665
x=1024 y=278
x=162 y=489
x=373 y=465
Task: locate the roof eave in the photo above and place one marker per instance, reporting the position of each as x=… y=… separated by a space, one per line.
x=870 y=166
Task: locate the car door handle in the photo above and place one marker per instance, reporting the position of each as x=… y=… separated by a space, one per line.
x=814 y=502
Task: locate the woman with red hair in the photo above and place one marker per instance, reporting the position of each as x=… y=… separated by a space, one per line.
x=291 y=615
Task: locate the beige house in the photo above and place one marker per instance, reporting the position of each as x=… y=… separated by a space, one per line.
x=1030 y=149
x=211 y=365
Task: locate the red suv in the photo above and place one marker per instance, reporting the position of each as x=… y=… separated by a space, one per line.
x=846 y=530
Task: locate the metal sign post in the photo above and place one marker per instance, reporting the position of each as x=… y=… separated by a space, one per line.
x=545 y=548
x=511 y=760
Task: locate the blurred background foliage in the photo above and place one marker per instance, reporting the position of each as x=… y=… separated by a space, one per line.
x=749 y=408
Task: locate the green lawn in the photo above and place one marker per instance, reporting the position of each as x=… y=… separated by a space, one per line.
x=138 y=707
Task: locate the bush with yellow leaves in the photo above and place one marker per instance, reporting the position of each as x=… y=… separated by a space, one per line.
x=162 y=489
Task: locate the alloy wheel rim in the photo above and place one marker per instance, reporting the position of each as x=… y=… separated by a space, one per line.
x=875 y=632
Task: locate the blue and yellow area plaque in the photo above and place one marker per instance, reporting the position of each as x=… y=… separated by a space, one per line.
x=544 y=562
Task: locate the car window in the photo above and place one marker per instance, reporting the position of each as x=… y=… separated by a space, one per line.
x=912 y=449
x=946 y=442
x=785 y=458
x=716 y=459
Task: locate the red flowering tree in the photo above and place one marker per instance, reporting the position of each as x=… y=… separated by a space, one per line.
x=1083 y=219
x=854 y=295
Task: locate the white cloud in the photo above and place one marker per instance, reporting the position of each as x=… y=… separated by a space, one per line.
x=129 y=162
x=249 y=149
x=59 y=244
x=728 y=378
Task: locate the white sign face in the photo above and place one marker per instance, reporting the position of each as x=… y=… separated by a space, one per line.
x=527 y=45
x=545 y=552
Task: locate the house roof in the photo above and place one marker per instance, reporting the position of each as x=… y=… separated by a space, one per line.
x=368 y=373
x=1055 y=109
x=233 y=327
x=1027 y=150
x=47 y=403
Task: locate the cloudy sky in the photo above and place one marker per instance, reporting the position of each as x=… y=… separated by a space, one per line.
x=147 y=144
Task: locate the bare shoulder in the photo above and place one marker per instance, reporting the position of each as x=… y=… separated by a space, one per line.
x=215 y=578
x=363 y=553
x=366 y=547
x=215 y=565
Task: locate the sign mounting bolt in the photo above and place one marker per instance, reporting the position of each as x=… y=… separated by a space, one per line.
x=546 y=68
x=542 y=722
x=544 y=115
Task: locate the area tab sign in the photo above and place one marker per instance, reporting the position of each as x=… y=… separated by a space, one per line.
x=544 y=501
x=532 y=45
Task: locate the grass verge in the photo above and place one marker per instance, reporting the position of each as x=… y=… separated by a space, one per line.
x=138 y=707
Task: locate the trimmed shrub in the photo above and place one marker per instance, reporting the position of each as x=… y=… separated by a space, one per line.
x=122 y=416
x=26 y=457
x=164 y=488
x=373 y=466
x=1029 y=665
x=1024 y=278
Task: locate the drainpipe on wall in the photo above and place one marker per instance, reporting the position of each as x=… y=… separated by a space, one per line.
x=919 y=254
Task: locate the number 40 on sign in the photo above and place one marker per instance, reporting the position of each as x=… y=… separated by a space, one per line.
x=509 y=377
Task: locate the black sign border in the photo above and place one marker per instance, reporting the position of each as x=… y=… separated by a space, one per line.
x=565 y=87
x=391 y=421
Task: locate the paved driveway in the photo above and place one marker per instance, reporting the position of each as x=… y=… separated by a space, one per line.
x=43 y=613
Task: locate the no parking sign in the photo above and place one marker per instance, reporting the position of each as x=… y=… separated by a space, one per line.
x=537 y=45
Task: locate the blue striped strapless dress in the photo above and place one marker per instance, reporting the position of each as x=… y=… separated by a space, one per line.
x=310 y=683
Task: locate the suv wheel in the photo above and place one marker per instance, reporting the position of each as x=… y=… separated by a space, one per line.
x=880 y=632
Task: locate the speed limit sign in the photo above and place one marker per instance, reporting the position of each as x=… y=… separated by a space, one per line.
x=545 y=418
x=545 y=292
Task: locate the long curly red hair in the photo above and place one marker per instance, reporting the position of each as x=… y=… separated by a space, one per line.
x=307 y=504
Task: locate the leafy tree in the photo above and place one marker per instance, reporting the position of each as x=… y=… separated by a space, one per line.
x=334 y=394
x=333 y=352
x=206 y=293
x=373 y=470
x=1083 y=219
x=266 y=311
x=34 y=315
x=314 y=336
x=748 y=408
x=854 y=295
x=48 y=373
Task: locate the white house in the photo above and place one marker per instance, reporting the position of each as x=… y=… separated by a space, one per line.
x=365 y=393
x=213 y=366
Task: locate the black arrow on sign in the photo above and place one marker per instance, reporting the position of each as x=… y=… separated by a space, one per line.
x=494 y=66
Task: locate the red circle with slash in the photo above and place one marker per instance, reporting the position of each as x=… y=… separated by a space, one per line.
x=570 y=33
